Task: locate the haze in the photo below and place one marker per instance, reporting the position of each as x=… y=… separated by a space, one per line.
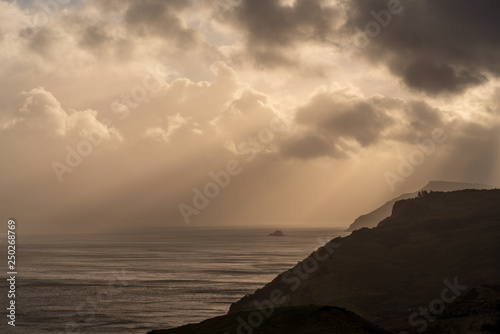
x=318 y=103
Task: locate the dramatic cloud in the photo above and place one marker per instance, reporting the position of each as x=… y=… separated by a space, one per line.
x=338 y=121
x=344 y=114
x=274 y=28
x=116 y=112
x=434 y=46
x=40 y=112
x=309 y=146
x=160 y=18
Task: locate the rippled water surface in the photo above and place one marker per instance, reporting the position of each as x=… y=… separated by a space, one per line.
x=133 y=283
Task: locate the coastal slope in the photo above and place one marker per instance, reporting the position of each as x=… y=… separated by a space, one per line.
x=289 y=320
x=428 y=244
x=437 y=253
x=376 y=216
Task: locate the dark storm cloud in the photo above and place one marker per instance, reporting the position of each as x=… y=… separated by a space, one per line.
x=141 y=19
x=272 y=27
x=493 y=106
x=332 y=118
x=94 y=36
x=309 y=146
x=418 y=120
x=428 y=76
x=360 y=121
x=343 y=115
x=436 y=47
x=41 y=42
x=339 y=122
x=161 y=18
x=99 y=40
x=271 y=22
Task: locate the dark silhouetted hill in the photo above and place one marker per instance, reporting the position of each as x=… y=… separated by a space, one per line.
x=376 y=216
x=478 y=311
x=439 y=251
x=402 y=264
x=289 y=320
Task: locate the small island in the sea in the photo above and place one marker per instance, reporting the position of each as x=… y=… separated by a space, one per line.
x=276 y=233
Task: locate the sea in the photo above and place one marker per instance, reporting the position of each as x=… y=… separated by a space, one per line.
x=138 y=281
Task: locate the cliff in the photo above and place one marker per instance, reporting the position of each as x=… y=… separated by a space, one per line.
x=376 y=216
x=403 y=263
x=433 y=265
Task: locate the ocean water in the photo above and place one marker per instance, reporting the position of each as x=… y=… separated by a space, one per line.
x=136 y=282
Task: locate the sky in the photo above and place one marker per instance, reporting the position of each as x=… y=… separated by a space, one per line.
x=276 y=113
